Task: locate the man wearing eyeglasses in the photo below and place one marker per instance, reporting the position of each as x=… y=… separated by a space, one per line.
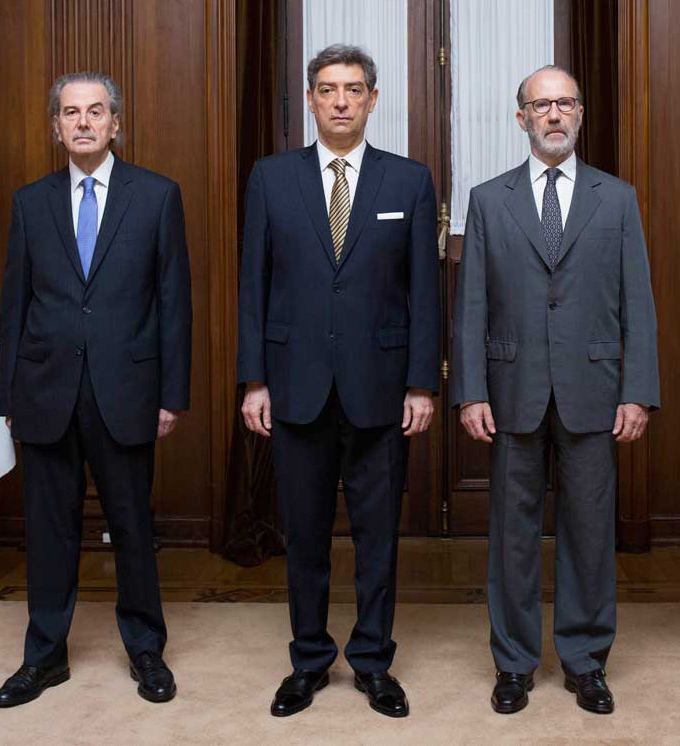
x=554 y=286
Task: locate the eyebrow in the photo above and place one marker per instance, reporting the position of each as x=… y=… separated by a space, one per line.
x=89 y=106
x=335 y=85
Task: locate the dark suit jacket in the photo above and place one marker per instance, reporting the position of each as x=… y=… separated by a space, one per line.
x=371 y=322
x=521 y=329
x=131 y=317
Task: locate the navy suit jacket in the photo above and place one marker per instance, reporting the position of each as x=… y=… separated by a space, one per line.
x=523 y=329
x=131 y=317
x=370 y=322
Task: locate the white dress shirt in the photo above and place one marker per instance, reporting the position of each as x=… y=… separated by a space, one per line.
x=102 y=175
x=564 y=183
x=352 y=169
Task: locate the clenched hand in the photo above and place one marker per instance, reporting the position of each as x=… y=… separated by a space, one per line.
x=257 y=409
x=631 y=421
x=418 y=411
x=167 y=421
x=477 y=419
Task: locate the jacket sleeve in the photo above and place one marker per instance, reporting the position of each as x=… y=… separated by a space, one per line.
x=640 y=384
x=471 y=314
x=254 y=283
x=16 y=295
x=424 y=330
x=175 y=312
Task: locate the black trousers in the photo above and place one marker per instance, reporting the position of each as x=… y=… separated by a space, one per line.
x=54 y=489
x=585 y=561
x=309 y=460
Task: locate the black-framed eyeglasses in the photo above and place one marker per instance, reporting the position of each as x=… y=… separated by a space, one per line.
x=543 y=105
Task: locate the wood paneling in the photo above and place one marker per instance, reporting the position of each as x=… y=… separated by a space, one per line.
x=664 y=229
x=634 y=523
x=175 y=64
x=649 y=110
x=25 y=155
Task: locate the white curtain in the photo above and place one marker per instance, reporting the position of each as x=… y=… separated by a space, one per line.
x=379 y=26
x=495 y=45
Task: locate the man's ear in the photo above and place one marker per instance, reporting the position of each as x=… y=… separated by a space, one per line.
x=310 y=101
x=55 y=129
x=374 y=98
x=116 y=126
x=519 y=116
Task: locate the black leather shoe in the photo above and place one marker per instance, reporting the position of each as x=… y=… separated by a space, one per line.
x=30 y=682
x=511 y=691
x=156 y=682
x=297 y=692
x=592 y=692
x=384 y=693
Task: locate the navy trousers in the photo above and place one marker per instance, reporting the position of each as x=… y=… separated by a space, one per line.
x=54 y=489
x=309 y=460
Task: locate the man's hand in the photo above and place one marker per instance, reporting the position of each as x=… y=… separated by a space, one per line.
x=257 y=409
x=167 y=421
x=418 y=411
x=477 y=419
x=631 y=421
x=8 y=422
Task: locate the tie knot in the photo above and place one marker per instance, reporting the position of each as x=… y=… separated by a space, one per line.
x=88 y=184
x=552 y=174
x=338 y=165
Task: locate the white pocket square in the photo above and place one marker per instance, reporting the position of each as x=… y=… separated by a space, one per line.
x=390 y=216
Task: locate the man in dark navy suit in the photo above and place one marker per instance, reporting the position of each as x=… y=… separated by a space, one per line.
x=95 y=354
x=339 y=351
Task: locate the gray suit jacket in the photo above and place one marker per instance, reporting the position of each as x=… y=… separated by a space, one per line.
x=521 y=329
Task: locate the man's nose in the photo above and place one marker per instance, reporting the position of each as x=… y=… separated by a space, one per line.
x=341 y=102
x=554 y=114
x=82 y=121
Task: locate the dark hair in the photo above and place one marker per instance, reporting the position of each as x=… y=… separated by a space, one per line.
x=342 y=54
x=521 y=91
x=115 y=96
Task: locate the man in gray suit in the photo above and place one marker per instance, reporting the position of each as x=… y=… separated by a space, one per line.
x=554 y=286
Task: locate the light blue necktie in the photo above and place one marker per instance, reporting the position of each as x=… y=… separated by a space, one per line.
x=87 y=224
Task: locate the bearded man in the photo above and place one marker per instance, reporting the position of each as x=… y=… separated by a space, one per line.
x=554 y=284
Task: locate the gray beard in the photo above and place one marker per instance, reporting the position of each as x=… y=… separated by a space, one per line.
x=553 y=150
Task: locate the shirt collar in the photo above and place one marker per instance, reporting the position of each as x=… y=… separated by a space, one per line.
x=537 y=168
x=102 y=173
x=353 y=158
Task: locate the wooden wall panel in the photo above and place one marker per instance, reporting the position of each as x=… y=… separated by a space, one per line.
x=649 y=70
x=175 y=64
x=25 y=155
x=664 y=229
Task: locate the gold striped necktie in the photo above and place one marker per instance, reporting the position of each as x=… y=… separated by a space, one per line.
x=338 y=214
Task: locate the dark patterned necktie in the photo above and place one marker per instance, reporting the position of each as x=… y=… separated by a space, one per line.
x=338 y=212
x=551 y=217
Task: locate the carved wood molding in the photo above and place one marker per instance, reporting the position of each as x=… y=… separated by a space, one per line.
x=634 y=166
x=222 y=244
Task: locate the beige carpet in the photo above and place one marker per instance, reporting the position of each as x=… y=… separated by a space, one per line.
x=228 y=659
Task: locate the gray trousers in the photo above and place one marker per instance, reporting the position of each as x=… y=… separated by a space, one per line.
x=585 y=563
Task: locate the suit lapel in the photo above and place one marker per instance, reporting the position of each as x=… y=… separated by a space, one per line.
x=584 y=202
x=370 y=178
x=60 y=204
x=311 y=186
x=117 y=201
x=522 y=206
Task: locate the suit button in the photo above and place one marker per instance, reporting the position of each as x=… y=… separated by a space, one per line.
x=552 y=306
x=87 y=310
x=332 y=335
x=79 y=351
x=337 y=287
